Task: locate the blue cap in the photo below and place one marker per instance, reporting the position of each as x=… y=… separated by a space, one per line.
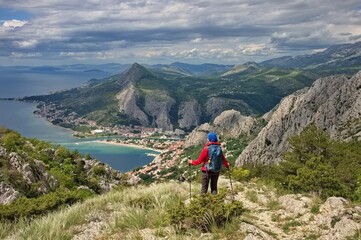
x=212 y=137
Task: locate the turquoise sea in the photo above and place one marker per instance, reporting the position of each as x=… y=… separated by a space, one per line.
x=19 y=117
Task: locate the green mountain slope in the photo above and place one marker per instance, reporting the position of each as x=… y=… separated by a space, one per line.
x=185 y=96
x=253 y=92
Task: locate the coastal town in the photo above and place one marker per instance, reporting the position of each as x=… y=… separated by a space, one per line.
x=133 y=135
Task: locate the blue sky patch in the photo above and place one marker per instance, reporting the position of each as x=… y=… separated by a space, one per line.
x=10 y=14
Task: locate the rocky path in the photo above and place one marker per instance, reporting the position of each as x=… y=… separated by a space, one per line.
x=295 y=216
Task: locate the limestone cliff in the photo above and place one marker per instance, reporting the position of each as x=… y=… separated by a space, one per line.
x=158 y=108
x=230 y=124
x=128 y=105
x=332 y=103
x=189 y=114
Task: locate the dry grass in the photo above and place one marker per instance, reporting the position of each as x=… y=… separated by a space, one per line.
x=129 y=211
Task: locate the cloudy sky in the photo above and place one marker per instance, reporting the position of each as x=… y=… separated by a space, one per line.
x=56 y=32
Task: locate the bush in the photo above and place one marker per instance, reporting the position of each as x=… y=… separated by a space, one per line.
x=204 y=212
x=146 y=178
x=29 y=207
x=358 y=190
x=99 y=170
x=12 y=141
x=240 y=174
x=316 y=163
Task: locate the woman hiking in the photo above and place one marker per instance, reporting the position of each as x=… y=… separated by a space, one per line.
x=212 y=159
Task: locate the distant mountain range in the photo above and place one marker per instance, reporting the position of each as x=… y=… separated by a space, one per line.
x=340 y=56
x=184 y=96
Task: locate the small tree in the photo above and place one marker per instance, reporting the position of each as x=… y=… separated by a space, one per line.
x=12 y=140
x=316 y=163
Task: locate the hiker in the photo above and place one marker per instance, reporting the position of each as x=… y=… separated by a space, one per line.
x=209 y=172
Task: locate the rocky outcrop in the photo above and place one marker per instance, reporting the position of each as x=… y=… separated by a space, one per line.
x=332 y=103
x=128 y=105
x=21 y=174
x=8 y=193
x=214 y=106
x=229 y=124
x=158 y=107
x=232 y=123
x=198 y=136
x=106 y=181
x=33 y=172
x=148 y=107
x=189 y=114
x=294 y=216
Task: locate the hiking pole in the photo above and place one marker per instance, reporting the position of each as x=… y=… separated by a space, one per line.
x=230 y=181
x=190 y=181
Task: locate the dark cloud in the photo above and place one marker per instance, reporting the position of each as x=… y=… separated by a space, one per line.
x=111 y=30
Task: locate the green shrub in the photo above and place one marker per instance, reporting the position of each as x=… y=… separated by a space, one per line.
x=147 y=178
x=205 y=211
x=62 y=153
x=28 y=207
x=64 y=180
x=316 y=163
x=240 y=174
x=144 y=202
x=99 y=170
x=316 y=204
x=12 y=141
x=358 y=190
x=94 y=185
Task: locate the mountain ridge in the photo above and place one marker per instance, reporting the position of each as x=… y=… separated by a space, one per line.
x=332 y=103
x=343 y=55
x=171 y=97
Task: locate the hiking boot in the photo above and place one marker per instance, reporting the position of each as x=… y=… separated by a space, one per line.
x=214 y=192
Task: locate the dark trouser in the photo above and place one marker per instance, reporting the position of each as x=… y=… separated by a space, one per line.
x=209 y=176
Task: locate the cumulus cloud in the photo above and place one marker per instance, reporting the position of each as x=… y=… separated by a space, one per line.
x=256 y=49
x=163 y=30
x=14 y=23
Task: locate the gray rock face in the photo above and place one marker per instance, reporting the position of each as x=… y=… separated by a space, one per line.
x=232 y=123
x=229 y=123
x=198 y=136
x=8 y=193
x=33 y=173
x=332 y=103
x=128 y=105
x=106 y=181
x=2 y=151
x=189 y=114
x=158 y=109
x=214 y=107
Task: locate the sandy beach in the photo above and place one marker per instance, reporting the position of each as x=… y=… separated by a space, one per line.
x=127 y=145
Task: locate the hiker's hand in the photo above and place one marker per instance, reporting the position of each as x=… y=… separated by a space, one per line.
x=190 y=161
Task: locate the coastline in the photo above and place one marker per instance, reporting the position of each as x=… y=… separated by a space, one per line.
x=128 y=145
